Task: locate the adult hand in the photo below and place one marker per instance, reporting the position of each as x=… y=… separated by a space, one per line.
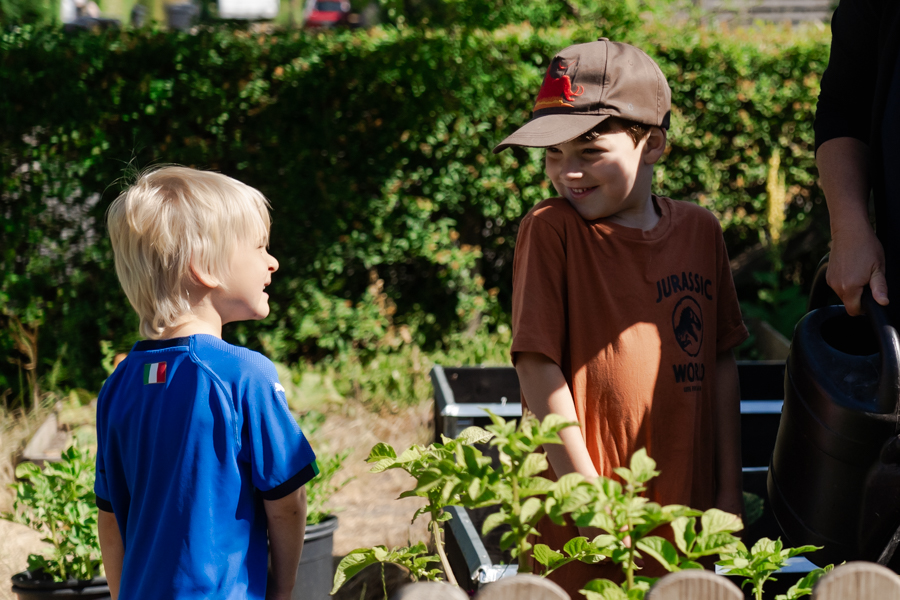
x=856 y=260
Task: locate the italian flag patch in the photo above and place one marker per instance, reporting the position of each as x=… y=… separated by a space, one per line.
x=155 y=373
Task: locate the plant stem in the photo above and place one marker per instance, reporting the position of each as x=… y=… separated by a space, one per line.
x=524 y=566
x=383 y=583
x=439 y=544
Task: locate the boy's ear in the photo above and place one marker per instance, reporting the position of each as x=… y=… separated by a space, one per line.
x=655 y=145
x=203 y=276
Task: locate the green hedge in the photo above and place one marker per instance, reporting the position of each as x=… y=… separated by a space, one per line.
x=375 y=150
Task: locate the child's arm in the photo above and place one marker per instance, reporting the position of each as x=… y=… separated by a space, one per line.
x=287 y=525
x=111 y=549
x=546 y=391
x=727 y=415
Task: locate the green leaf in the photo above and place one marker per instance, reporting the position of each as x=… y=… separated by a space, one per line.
x=383 y=465
x=642 y=466
x=353 y=563
x=662 y=550
x=603 y=589
x=530 y=508
x=792 y=552
x=532 y=465
x=545 y=556
x=493 y=521
x=717 y=543
x=474 y=435
x=685 y=534
x=409 y=455
x=805 y=586
x=381 y=451
x=719 y=521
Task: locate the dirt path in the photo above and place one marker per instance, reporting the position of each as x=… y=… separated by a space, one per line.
x=17 y=543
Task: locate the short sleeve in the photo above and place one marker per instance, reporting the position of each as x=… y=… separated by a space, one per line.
x=539 y=290
x=281 y=459
x=101 y=489
x=101 y=485
x=847 y=94
x=730 y=328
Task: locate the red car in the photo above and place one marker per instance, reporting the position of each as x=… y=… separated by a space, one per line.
x=329 y=13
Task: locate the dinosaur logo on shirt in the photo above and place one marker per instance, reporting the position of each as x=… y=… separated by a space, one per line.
x=687 y=321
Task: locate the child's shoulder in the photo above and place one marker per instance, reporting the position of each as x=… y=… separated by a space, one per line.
x=554 y=212
x=685 y=211
x=228 y=361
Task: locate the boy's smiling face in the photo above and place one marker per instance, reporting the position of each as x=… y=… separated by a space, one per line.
x=608 y=176
x=242 y=296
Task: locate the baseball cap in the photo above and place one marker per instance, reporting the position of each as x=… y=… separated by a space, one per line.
x=588 y=83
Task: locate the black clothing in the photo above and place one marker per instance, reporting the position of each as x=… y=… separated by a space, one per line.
x=858 y=92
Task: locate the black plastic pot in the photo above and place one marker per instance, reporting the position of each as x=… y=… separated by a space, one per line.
x=315 y=574
x=28 y=587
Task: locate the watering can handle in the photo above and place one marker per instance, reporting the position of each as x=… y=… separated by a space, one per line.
x=889 y=344
x=888 y=339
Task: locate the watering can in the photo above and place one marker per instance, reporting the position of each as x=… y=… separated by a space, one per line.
x=841 y=392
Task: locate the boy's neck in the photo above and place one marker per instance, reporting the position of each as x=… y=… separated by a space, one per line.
x=645 y=218
x=201 y=320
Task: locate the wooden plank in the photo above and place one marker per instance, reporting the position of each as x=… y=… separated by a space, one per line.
x=694 y=585
x=430 y=590
x=522 y=587
x=858 y=581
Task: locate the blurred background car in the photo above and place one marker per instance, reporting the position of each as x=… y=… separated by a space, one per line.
x=330 y=13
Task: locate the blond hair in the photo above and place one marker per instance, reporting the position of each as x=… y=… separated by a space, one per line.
x=170 y=217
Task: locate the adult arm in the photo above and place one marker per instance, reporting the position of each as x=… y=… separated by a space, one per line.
x=843 y=125
x=287 y=525
x=112 y=549
x=857 y=257
x=727 y=418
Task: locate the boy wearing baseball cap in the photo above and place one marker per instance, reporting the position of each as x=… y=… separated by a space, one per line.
x=624 y=310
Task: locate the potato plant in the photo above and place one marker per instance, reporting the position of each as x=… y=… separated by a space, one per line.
x=58 y=502
x=758 y=564
x=628 y=520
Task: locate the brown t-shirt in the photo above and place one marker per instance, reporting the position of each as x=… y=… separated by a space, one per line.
x=635 y=320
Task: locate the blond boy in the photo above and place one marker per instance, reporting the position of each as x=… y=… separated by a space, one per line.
x=200 y=465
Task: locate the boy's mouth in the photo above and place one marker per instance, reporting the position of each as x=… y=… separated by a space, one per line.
x=581 y=192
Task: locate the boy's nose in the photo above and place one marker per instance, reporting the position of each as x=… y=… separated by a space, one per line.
x=273 y=264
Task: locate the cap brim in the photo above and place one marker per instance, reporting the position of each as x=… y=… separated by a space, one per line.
x=550 y=130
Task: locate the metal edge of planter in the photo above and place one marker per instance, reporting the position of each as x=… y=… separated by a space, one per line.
x=481 y=569
x=446 y=407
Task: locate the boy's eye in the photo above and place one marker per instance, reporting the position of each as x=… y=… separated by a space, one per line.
x=552 y=150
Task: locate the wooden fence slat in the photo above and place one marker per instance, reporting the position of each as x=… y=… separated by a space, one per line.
x=858 y=581
x=429 y=590
x=694 y=585
x=522 y=587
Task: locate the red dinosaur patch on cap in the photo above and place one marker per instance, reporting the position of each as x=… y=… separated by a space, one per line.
x=557 y=87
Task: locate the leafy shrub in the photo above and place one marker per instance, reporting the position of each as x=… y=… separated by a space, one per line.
x=375 y=148
x=58 y=502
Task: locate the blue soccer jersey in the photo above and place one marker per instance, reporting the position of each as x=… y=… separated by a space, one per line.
x=193 y=434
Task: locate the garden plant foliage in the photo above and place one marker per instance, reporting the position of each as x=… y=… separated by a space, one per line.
x=393 y=222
